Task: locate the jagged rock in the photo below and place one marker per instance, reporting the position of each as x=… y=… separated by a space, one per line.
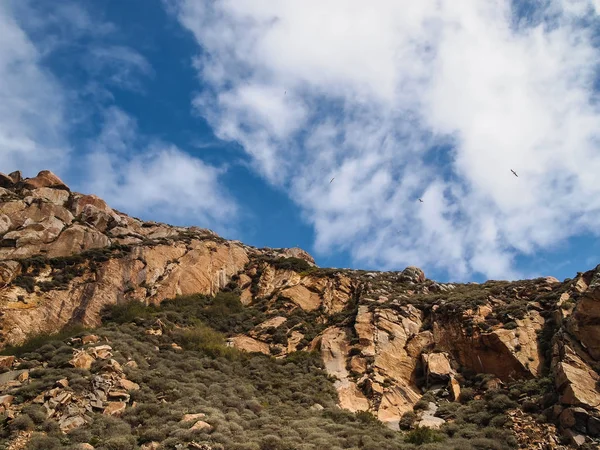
x=303 y=297
x=75 y=239
x=89 y=339
x=62 y=383
x=412 y=274
x=299 y=253
x=45 y=179
x=112 y=366
x=437 y=366
x=575 y=418
x=576 y=381
x=118 y=395
x=82 y=360
x=128 y=385
x=200 y=425
x=176 y=347
x=43 y=232
x=69 y=423
x=23 y=376
x=6 y=181
x=16 y=176
x=272 y=322
x=101 y=351
x=192 y=417
x=358 y=364
x=585 y=317
x=131 y=364
x=6 y=400
x=115 y=408
x=7 y=361
x=57 y=196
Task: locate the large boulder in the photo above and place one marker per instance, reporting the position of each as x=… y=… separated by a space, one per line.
x=437 y=366
x=575 y=380
x=296 y=252
x=6 y=181
x=57 y=196
x=45 y=179
x=412 y=275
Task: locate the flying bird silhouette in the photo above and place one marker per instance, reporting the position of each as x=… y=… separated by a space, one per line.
x=332 y=180
x=421 y=200
x=515 y=173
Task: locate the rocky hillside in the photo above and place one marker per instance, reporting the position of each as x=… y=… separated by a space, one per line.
x=412 y=352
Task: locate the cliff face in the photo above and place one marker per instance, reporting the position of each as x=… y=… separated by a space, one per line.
x=387 y=337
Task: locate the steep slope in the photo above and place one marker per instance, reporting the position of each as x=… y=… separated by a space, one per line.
x=394 y=341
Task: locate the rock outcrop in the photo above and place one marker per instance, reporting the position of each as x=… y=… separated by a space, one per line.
x=388 y=338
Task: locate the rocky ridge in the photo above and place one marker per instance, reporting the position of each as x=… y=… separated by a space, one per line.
x=392 y=340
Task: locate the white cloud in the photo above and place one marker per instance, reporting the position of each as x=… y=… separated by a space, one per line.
x=142 y=176
x=31 y=104
x=373 y=88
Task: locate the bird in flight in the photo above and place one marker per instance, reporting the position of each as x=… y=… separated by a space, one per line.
x=515 y=173
x=421 y=200
x=332 y=180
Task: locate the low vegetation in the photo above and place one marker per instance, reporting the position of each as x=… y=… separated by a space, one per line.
x=251 y=401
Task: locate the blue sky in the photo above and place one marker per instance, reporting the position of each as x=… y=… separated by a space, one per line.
x=235 y=115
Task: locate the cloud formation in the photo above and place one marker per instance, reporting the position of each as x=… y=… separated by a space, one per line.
x=41 y=112
x=32 y=122
x=400 y=100
x=144 y=176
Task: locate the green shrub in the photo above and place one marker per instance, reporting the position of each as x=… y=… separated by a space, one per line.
x=423 y=435
x=295 y=264
x=466 y=395
x=204 y=339
x=36 y=341
x=125 y=312
x=407 y=420
x=22 y=422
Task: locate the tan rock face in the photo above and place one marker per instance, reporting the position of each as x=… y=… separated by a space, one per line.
x=505 y=353
x=298 y=253
x=437 y=366
x=249 y=344
x=584 y=321
x=575 y=379
x=56 y=196
x=334 y=351
x=388 y=333
x=45 y=179
x=303 y=297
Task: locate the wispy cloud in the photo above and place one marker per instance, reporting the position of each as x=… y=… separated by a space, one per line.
x=119 y=66
x=365 y=93
x=32 y=106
